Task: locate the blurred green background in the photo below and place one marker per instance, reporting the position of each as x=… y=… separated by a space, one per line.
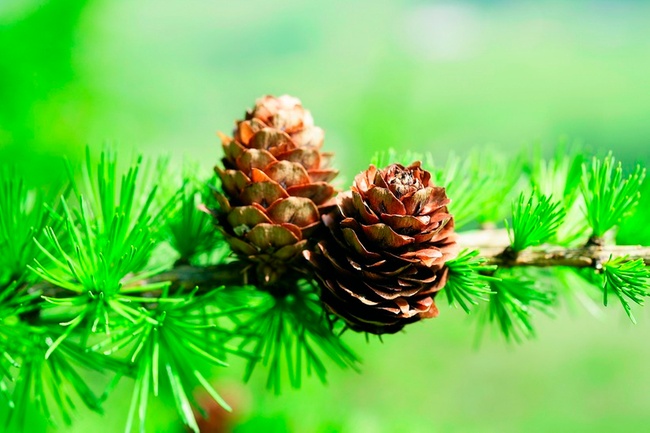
x=163 y=77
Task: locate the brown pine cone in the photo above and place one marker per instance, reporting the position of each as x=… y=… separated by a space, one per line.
x=276 y=184
x=385 y=259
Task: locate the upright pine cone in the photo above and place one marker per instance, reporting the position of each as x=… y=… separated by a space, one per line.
x=390 y=238
x=276 y=184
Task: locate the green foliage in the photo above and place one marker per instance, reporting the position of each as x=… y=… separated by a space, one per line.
x=23 y=216
x=559 y=176
x=534 y=221
x=80 y=289
x=609 y=197
x=467 y=285
x=112 y=232
x=477 y=185
x=513 y=299
x=56 y=384
x=191 y=231
x=628 y=280
x=168 y=343
x=293 y=331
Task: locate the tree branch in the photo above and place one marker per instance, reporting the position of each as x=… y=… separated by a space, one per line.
x=184 y=276
x=208 y=277
x=492 y=244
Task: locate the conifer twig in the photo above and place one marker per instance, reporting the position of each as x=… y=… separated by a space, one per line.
x=492 y=244
x=184 y=276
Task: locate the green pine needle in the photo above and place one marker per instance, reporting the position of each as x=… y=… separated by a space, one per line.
x=609 y=197
x=16 y=300
x=171 y=343
x=475 y=184
x=293 y=333
x=24 y=213
x=513 y=300
x=466 y=285
x=628 y=280
x=534 y=221
x=112 y=232
x=189 y=230
x=559 y=176
x=54 y=385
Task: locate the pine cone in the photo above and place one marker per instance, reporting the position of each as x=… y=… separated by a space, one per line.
x=390 y=238
x=276 y=184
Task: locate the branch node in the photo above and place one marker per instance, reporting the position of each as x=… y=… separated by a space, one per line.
x=508 y=256
x=595 y=241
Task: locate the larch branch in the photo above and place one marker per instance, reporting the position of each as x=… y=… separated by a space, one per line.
x=492 y=244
